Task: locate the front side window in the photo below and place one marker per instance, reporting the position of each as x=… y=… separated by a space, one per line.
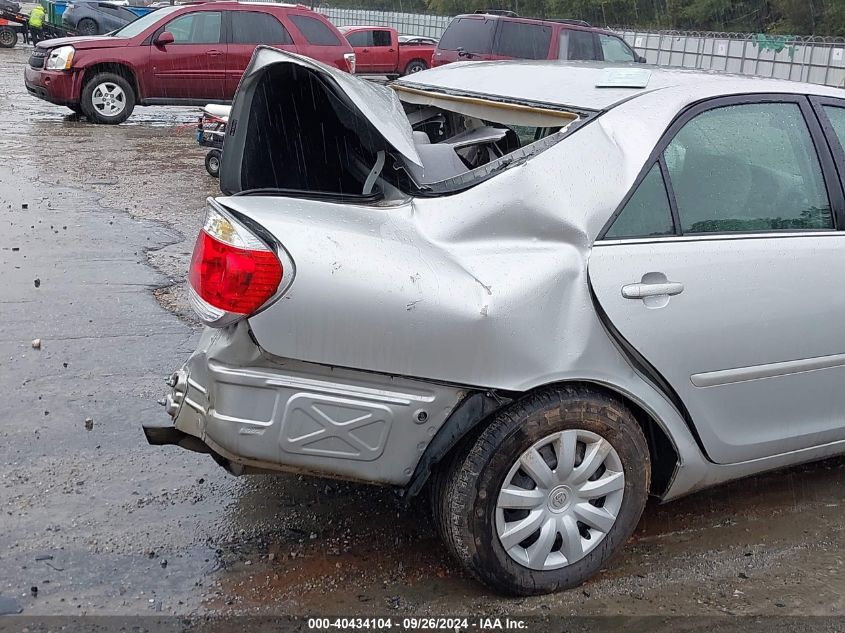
x=576 y=44
x=522 y=40
x=315 y=31
x=614 y=49
x=252 y=27
x=381 y=38
x=360 y=38
x=750 y=167
x=472 y=35
x=202 y=27
x=647 y=213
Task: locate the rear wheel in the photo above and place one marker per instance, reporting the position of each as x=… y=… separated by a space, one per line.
x=87 y=26
x=415 y=66
x=8 y=37
x=548 y=493
x=108 y=98
x=212 y=162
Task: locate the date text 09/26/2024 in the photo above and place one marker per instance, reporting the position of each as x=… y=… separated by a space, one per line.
x=418 y=624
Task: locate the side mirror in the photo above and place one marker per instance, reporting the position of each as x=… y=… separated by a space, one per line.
x=164 y=38
x=641 y=59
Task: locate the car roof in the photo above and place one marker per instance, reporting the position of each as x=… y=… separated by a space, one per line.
x=363 y=27
x=258 y=2
x=581 y=84
x=517 y=18
x=230 y=4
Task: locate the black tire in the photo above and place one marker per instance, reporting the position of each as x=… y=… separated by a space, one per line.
x=415 y=66
x=466 y=489
x=87 y=26
x=212 y=162
x=90 y=109
x=8 y=37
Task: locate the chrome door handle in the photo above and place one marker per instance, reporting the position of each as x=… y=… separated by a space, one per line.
x=642 y=290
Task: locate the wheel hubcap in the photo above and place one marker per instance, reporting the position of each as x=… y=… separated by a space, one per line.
x=108 y=99
x=560 y=499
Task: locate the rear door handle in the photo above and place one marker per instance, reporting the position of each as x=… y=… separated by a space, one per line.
x=214 y=53
x=642 y=290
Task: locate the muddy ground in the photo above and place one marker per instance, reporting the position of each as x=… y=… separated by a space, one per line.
x=98 y=225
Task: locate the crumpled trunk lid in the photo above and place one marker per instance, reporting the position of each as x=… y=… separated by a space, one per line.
x=298 y=125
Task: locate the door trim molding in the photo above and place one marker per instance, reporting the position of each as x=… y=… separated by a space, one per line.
x=768 y=370
x=712 y=237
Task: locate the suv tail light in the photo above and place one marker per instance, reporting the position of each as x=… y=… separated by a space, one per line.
x=350 y=61
x=233 y=272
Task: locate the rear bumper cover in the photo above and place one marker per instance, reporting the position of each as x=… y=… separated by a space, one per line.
x=262 y=413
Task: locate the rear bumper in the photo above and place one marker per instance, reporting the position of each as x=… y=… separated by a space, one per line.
x=260 y=414
x=59 y=87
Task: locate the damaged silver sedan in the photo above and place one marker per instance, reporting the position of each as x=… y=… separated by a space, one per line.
x=544 y=290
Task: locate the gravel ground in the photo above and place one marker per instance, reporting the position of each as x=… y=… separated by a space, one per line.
x=101 y=523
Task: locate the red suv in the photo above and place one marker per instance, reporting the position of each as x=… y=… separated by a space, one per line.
x=180 y=55
x=507 y=36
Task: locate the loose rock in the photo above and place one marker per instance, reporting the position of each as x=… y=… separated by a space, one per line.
x=9 y=606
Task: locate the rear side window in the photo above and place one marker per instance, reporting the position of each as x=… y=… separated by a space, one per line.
x=577 y=45
x=614 y=49
x=119 y=12
x=750 y=167
x=647 y=213
x=202 y=27
x=315 y=31
x=381 y=38
x=252 y=27
x=360 y=38
x=473 y=35
x=523 y=41
x=837 y=120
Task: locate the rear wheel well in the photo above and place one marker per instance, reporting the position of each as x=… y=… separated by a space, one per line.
x=112 y=67
x=662 y=452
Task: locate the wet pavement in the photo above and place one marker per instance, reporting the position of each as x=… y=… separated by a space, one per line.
x=98 y=225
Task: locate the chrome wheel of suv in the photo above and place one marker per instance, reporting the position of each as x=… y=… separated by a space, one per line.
x=560 y=499
x=109 y=99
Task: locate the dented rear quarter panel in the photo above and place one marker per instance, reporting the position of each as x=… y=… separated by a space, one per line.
x=486 y=288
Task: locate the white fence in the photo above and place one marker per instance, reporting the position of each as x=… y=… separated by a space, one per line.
x=813 y=59
x=405 y=23
x=816 y=60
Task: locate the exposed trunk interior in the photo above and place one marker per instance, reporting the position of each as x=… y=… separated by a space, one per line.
x=302 y=136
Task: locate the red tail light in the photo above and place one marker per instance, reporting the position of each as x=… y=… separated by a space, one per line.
x=233 y=273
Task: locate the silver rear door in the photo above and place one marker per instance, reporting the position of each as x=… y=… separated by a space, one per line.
x=732 y=297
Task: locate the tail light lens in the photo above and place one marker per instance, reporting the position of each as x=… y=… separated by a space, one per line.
x=350 y=61
x=233 y=272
